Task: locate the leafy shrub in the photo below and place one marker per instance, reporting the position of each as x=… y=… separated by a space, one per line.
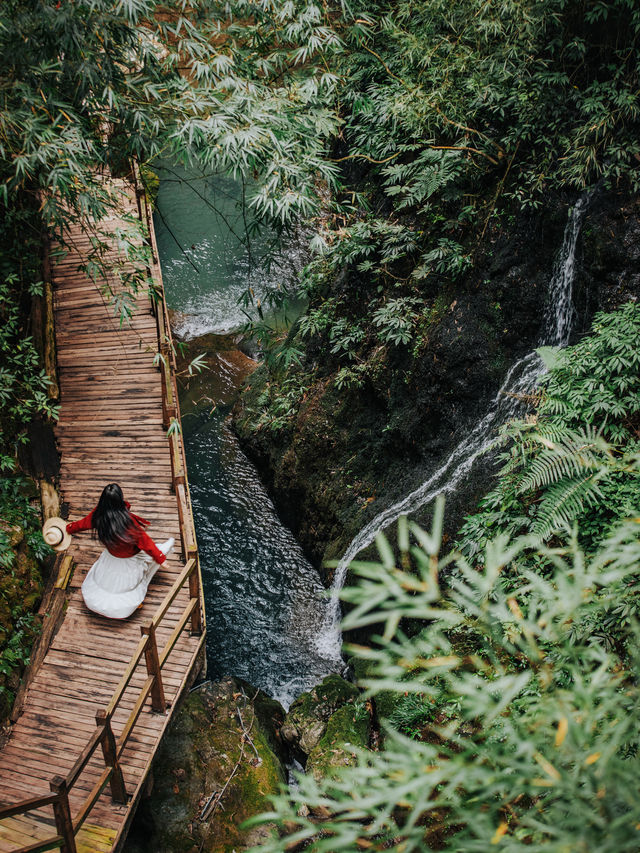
x=16 y=509
x=395 y=320
x=542 y=750
x=24 y=385
x=559 y=469
x=597 y=381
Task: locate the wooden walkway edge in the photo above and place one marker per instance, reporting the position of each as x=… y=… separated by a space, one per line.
x=94 y=713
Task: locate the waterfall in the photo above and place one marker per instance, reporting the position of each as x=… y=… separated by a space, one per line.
x=521 y=378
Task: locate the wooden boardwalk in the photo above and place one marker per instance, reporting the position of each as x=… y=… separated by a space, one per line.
x=115 y=406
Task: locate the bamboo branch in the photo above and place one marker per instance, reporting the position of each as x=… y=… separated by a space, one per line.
x=359 y=156
x=437 y=109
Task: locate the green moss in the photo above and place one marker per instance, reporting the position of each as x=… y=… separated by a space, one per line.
x=206 y=759
x=21 y=588
x=306 y=721
x=151 y=183
x=387 y=702
x=347 y=729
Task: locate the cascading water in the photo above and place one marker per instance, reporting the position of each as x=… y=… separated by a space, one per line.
x=521 y=378
x=208 y=261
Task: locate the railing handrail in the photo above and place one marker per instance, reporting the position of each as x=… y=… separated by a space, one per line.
x=85 y=756
x=126 y=678
x=30 y=804
x=98 y=736
x=169 y=598
x=65 y=826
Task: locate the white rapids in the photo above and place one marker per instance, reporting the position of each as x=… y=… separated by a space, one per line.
x=521 y=378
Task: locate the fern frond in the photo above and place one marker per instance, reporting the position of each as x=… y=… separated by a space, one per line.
x=564 y=454
x=560 y=462
x=564 y=501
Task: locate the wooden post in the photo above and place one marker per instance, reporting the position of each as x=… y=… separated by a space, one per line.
x=165 y=412
x=177 y=468
x=194 y=592
x=62 y=814
x=182 y=518
x=168 y=403
x=158 y=702
x=108 y=743
x=163 y=379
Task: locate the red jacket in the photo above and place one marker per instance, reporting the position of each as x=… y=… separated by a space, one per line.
x=141 y=542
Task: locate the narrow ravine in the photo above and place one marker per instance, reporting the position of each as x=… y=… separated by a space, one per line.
x=521 y=378
x=268 y=620
x=264 y=600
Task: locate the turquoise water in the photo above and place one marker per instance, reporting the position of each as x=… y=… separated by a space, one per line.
x=212 y=252
x=264 y=600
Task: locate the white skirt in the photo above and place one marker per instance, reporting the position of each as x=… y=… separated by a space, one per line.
x=115 y=586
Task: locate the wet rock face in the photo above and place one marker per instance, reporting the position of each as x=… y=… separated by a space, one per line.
x=349 y=453
x=609 y=273
x=309 y=716
x=215 y=769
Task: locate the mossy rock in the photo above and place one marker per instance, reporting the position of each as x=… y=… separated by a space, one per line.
x=386 y=703
x=151 y=183
x=21 y=588
x=13 y=532
x=347 y=729
x=306 y=721
x=361 y=668
x=6 y=622
x=270 y=717
x=208 y=777
x=21 y=583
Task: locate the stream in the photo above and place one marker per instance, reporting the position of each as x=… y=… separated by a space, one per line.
x=267 y=618
x=264 y=601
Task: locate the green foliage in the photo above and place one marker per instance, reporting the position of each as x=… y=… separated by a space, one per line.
x=351 y=378
x=411 y=715
x=276 y=406
x=597 y=381
x=429 y=118
x=20 y=582
x=537 y=749
x=446 y=257
x=16 y=509
x=15 y=655
x=24 y=385
x=23 y=382
x=559 y=469
x=393 y=117
x=395 y=320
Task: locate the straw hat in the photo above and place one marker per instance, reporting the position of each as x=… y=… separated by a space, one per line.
x=54 y=533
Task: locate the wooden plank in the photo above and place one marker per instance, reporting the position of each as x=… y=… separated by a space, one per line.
x=106 y=374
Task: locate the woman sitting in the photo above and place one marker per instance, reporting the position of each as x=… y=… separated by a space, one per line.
x=117 y=582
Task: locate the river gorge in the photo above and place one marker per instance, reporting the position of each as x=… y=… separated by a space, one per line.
x=273 y=625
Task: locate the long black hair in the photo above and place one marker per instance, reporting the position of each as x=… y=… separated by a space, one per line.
x=111 y=518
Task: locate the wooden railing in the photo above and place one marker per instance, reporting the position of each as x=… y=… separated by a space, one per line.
x=67 y=825
x=167 y=367
x=112 y=748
